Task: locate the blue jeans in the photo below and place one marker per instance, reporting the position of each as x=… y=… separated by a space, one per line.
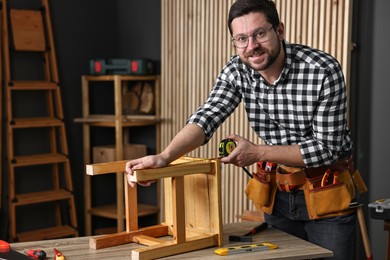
x=336 y=233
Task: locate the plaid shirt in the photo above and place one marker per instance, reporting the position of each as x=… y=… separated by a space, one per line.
x=305 y=106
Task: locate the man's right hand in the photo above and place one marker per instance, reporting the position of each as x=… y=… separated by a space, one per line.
x=150 y=161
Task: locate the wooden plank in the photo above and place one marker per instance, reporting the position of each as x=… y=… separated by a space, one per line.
x=119 y=166
x=131 y=206
x=173 y=171
x=104 y=168
x=147 y=240
x=126 y=237
x=109 y=210
x=179 y=225
x=52 y=72
x=215 y=197
x=47 y=233
x=170 y=248
x=28 y=32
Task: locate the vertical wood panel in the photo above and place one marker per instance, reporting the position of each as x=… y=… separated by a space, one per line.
x=196 y=45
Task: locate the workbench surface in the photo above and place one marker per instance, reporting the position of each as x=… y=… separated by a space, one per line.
x=289 y=247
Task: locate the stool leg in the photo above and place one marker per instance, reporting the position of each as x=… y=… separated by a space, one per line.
x=363 y=230
x=388 y=246
x=387 y=227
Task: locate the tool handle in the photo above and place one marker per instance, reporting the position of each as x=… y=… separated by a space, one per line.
x=247 y=172
x=257 y=229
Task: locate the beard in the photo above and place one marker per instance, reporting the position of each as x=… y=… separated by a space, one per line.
x=270 y=56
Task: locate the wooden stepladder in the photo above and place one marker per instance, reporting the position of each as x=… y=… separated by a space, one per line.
x=192 y=203
x=34 y=113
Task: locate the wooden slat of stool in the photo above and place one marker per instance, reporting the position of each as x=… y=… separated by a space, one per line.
x=387 y=227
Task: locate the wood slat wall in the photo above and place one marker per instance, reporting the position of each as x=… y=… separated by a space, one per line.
x=196 y=45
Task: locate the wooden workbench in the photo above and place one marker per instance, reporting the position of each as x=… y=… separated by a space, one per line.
x=290 y=247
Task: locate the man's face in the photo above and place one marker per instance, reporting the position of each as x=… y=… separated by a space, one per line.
x=258 y=56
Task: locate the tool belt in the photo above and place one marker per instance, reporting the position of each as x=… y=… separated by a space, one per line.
x=328 y=190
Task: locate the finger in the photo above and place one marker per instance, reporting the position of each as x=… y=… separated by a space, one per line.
x=227 y=159
x=131 y=183
x=128 y=168
x=234 y=137
x=145 y=183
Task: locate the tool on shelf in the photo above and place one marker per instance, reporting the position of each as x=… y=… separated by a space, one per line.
x=121 y=66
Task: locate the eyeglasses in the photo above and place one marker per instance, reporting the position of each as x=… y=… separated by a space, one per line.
x=260 y=35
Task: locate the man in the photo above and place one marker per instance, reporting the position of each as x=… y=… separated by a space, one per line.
x=295 y=99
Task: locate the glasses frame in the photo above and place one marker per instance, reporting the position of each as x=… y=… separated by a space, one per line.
x=253 y=36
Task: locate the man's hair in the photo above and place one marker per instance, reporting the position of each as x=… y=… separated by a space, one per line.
x=243 y=7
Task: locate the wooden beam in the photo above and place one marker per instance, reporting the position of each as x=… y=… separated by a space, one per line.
x=126 y=237
x=173 y=171
x=170 y=248
x=178 y=207
x=147 y=240
x=104 y=168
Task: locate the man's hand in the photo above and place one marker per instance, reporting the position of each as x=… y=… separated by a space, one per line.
x=246 y=153
x=150 y=161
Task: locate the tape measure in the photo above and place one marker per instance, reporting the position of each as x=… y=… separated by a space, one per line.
x=226 y=146
x=245 y=249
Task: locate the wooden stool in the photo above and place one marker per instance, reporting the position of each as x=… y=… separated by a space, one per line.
x=387 y=227
x=193 y=210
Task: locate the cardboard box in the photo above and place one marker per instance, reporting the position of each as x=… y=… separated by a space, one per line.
x=380 y=209
x=107 y=153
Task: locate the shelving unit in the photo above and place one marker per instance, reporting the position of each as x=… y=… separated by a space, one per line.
x=122 y=123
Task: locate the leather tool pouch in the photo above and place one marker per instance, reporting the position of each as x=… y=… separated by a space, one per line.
x=331 y=199
x=261 y=190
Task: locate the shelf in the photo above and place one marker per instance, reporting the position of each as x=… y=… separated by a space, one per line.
x=35 y=122
x=121 y=122
x=109 y=211
x=32 y=85
x=47 y=233
x=41 y=197
x=121 y=77
x=38 y=159
x=127 y=120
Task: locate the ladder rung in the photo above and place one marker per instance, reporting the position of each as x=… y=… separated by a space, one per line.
x=41 y=197
x=38 y=159
x=32 y=85
x=47 y=233
x=35 y=122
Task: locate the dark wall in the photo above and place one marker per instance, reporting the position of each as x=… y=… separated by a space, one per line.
x=86 y=30
x=369 y=95
x=377 y=92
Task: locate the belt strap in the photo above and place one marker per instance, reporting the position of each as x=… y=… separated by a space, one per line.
x=339 y=165
x=289 y=178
